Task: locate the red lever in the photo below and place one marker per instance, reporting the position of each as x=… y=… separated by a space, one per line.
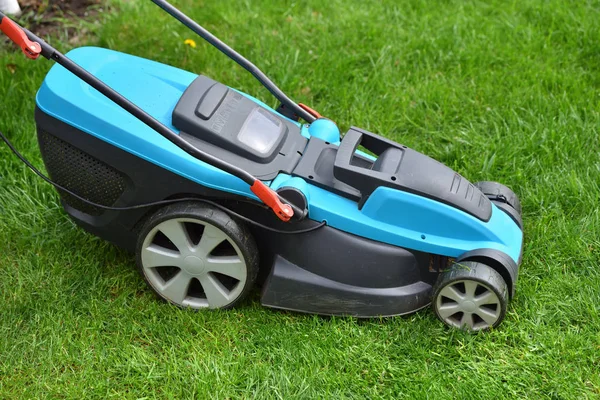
x=270 y=198
x=16 y=34
x=310 y=111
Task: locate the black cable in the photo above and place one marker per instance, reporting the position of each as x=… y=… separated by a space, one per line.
x=152 y=204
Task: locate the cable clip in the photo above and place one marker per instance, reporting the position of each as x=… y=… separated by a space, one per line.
x=310 y=111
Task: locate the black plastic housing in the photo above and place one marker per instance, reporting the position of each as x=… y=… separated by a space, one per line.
x=351 y=175
x=211 y=116
x=401 y=168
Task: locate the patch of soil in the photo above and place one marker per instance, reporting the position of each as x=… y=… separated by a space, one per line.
x=46 y=17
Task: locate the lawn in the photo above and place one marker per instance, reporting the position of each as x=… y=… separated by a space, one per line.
x=505 y=91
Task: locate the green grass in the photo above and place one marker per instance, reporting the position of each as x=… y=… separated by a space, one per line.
x=505 y=91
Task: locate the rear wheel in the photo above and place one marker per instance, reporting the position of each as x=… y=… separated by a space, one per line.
x=498 y=192
x=470 y=296
x=197 y=256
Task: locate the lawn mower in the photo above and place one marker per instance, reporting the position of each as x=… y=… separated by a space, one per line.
x=216 y=192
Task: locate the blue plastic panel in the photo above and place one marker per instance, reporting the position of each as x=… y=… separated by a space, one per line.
x=156 y=88
x=389 y=216
x=411 y=221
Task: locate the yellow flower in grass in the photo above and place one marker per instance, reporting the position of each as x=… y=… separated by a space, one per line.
x=190 y=43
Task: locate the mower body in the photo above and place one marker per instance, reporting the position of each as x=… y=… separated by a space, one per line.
x=394 y=220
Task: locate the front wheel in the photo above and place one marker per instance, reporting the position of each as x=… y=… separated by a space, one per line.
x=470 y=296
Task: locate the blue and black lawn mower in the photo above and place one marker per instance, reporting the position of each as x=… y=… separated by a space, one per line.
x=215 y=192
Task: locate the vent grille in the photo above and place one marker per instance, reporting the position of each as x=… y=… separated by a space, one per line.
x=81 y=173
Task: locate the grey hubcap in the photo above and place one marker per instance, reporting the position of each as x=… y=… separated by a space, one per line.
x=193 y=263
x=468 y=304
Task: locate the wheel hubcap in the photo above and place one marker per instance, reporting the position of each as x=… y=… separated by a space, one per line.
x=193 y=263
x=468 y=304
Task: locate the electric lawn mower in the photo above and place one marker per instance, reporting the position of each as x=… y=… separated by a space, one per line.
x=215 y=191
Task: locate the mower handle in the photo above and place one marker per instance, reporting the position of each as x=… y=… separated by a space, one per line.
x=308 y=115
x=17 y=35
x=33 y=46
